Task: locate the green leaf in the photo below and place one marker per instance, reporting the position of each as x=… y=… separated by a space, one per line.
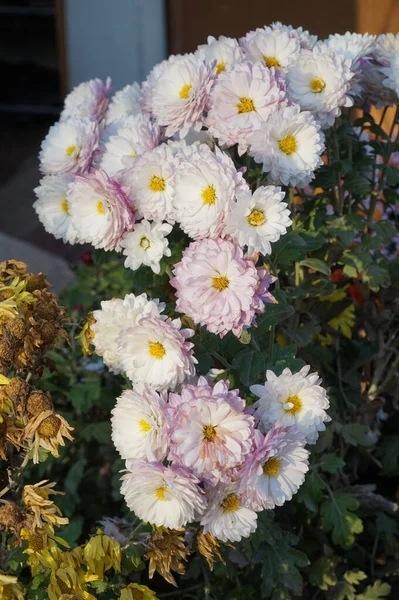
x=289 y=248
x=355 y=434
x=392 y=176
x=311 y=492
x=85 y=394
x=322 y=572
x=100 y=432
x=375 y=591
x=357 y=184
x=71 y=532
x=316 y=264
x=389 y=450
x=355 y=577
x=338 y=517
x=376 y=276
x=250 y=364
x=388 y=530
x=274 y=314
x=245 y=337
x=75 y=475
x=331 y=463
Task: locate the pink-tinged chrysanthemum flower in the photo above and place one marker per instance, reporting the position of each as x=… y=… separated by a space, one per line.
x=306 y=40
x=208 y=435
x=220 y=52
x=357 y=50
x=148 y=86
x=52 y=207
x=146 y=245
x=293 y=399
x=69 y=146
x=217 y=287
x=320 y=81
x=115 y=315
x=191 y=392
x=88 y=100
x=163 y=496
x=258 y=219
x=274 y=47
x=125 y=103
x=204 y=191
x=226 y=516
x=180 y=94
x=151 y=181
x=100 y=210
x=139 y=426
x=275 y=469
x=122 y=141
x=289 y=145
x=157 y=353
x=242 y=98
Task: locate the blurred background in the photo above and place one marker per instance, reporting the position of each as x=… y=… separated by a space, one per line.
x=49 y=46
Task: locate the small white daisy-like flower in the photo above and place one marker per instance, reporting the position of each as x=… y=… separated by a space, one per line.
x=276 y=468
x=88 y=99
x=227 y=517
x=139 y=426
x=258 y=219
x=148 y=86
x=320 y=81
x=124 y=103
x=114 y=316
x=274 y=47
x=180 y=94
x=52 y=207
x=391 y=73
x=220 y=52
x=357 y=48
x=243 y=97
x=151 y=181
x=146 y=245
x=156 y=352
x=100 y=210
x=306 y=39
x=163 y=496
x=122 y=141
x=293 y=399
x=69 y=146
x=204 y=191
x=289 y=145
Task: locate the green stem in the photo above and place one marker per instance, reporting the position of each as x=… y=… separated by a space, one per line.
x=220 y=358
x=271 y=343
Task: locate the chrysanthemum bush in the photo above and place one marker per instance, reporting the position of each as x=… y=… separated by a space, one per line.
x=239 y=323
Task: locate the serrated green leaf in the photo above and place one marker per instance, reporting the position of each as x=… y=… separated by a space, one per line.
x=355 y=576
x=250 y=364
x=375 y=591
x=331 y=463
x=355 y=434
x=322 y=572
x=101 y=432
x=357 y=184
x=316 y=264
x=311 y=492
x=338 y=517
x=274 y=314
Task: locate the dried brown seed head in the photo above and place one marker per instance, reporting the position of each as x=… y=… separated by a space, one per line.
x=38 y=402
x=49 y=427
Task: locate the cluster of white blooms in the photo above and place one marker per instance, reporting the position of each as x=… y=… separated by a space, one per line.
x=124 y=172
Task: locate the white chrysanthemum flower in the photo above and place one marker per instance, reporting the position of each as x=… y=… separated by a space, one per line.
x=258 y=219
x=146 y=245
x=293 y=399
x=274 y=47
x=243 y=97
x=193 y=137
x=69 y=146
x=151 y=181
x=204 y=191
x=289 y=145
x=114 y=316
x=276 y=468
x=306 y=39
x=52 y=207
x=355 y=48
x=122 y=141
x=386 y=45
x=139 y=426
x=320 y=81
x=180 y=94
x=88 y=99
x=125 y=103
x=220 y=52
x=156 y=352
x=226 y=517
x=391 y=72
x=163 y=496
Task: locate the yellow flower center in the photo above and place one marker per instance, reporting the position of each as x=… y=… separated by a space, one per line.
x=157 y=184
x=288 y=144
x=271 y=468
x=49 y=427
x=36 y=542
x=220 y=67
x=209 y=432
x=296 y=403
x=220 y=283
x=133 y=154
x=209 y=195
x=271 y=61
x=231 y=503
x=160 y=493
x=144 y=426
x=256 y=217
x=317 y=85
x=70 y=150
x=185 y=91
x=136 y=594
x=156 y=350
x=100 y=208
x=246 y=105
x=65 y=206
x=144 y=243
